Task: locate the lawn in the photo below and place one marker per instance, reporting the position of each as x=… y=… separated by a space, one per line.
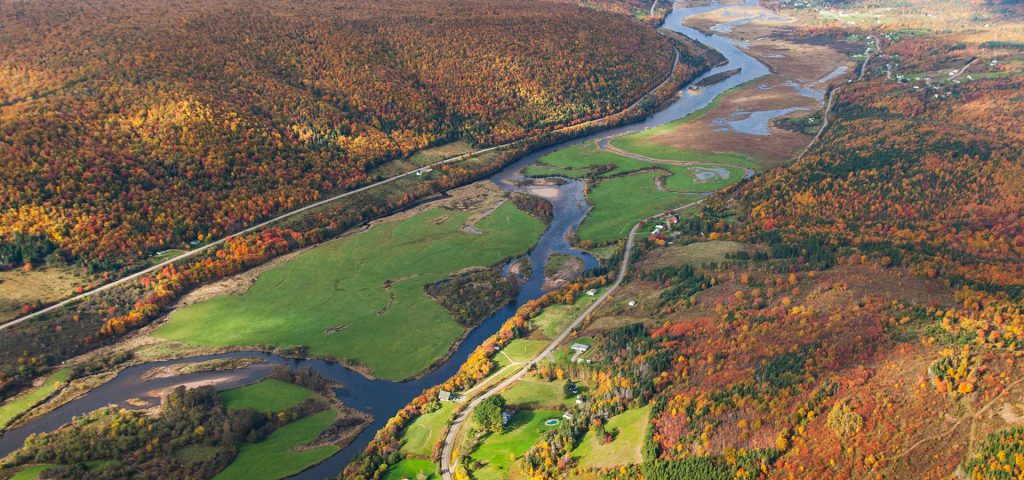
x=620 y=202
x=423 y=433
x=265 y=396
x=522 y=431
x=275 y=457
x=537 y=394
x=631 y=427
x=29 y=399
x=361 y=299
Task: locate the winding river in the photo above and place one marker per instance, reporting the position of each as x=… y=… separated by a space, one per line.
x=384 y=398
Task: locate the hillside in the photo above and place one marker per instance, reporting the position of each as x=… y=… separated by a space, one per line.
x=127 y=127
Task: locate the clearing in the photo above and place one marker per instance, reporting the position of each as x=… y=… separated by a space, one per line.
x=423 y=433
x=627 y=430
x=496 y=450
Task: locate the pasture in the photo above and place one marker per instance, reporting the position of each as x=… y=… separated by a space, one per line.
x=361 y=299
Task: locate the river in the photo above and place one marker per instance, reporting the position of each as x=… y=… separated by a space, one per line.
x=384 y=398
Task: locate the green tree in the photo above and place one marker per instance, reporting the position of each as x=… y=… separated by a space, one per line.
x=488 y=414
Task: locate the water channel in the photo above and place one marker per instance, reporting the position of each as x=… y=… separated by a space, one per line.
x=384 y=398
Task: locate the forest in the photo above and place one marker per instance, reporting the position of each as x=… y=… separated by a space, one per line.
x=128 y=127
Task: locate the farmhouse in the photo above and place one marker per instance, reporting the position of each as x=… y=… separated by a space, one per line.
x=592 y=292
x=580 y=347
x=444 y=396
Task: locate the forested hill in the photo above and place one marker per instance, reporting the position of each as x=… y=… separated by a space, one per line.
x=128 y=126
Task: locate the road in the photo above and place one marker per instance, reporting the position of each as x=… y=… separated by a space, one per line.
x=825 y=120
x=292 y=213
x=447 y=462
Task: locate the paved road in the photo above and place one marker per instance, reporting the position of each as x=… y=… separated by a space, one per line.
x=214 y=244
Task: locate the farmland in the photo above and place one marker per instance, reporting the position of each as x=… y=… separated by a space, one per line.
x=343 y=300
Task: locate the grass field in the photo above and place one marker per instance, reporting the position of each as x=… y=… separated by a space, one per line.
x=522 y=350
x=423 y=433
x=697 y=253
x=620 y=202
x=537 y=394
x=275 y=457
x=410 y=468
x=556 y=317
x=266 y=396
x=581 y=160
x=522 y=431
x=360 y=299
x=639 y=143
x=631 y=426
x=32 y=472
x=18 y=405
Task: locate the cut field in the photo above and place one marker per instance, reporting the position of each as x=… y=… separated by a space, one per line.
x=20 y=404
x=620 y=202
x=42 y=285
x=496 y=450
x=276 y=456
x=266 y=396
x=411 y=468
x=628 y=428
x=360 y=298
x=537 y=394
x=423 y=433
x=555 y=318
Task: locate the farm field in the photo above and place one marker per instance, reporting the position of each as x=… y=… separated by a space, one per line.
x=19 y=288
x=276 y=457
x=17 y=405
x=620 y=202
x=630 y=427
x=522 y=431
x=345 y=300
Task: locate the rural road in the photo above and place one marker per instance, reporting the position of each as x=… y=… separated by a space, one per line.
x=292 y=213
x=447 y=462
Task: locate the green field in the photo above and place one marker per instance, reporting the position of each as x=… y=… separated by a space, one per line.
x=582 y=160
x=423 y=433
x=555 y=318
x=621 y=202
x=522 y=431
x=640 y=143
x=410 y=468
x=18 y=405
x=631 y=427
x=537 y=394
x=275 y=457
x=266 y=396
x=361 y=299
x=521 y=350
x=32 y=472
